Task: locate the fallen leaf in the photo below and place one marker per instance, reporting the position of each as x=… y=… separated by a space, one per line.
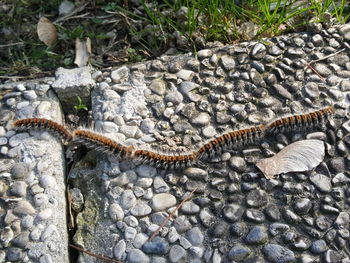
x=297 y=157
x=47 y=32
x=82 y=52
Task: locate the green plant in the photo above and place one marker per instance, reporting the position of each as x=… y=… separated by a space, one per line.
x=80 y=105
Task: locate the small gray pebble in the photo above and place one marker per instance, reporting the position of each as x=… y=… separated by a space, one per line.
x=278 y=254
x=257 y=235
x=137 y=256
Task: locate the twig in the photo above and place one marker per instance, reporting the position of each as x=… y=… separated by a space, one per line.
x=171 y=214
x=315 y=71
x=94 y=255
x=11 y=44
x=308 y=65
x=329 y=56
x=77 y=10
x=13 y=77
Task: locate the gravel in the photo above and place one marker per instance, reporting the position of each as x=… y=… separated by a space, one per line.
x=235 y=213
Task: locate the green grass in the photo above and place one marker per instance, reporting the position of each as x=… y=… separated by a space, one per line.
x=148 y=33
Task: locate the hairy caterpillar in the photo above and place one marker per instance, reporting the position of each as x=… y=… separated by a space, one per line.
x=301 y=121
x=40 y=123
x=164 y=160
x=102 y=144
x=230 y=140
x=176 y=159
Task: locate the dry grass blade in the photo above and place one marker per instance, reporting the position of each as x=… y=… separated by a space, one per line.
x=170 y=216
x=47 y=32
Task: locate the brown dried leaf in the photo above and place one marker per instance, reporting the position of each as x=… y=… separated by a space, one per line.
x=297 y=157
x=47 y=32
x=82 y=52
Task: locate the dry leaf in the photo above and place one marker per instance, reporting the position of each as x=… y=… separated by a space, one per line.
x=47 y=32
x=297 y=157
x=82 y=52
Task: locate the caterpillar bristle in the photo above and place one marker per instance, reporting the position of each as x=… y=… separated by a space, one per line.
x=230 y=140
x=166 y=160
x=101 y=143
x=302 y=121
x=45 y=124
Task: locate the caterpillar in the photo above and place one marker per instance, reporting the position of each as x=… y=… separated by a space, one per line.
x=230 y=140
x=176 y=159
x=102 y=144
x=166 y=161
x=302 y=121
x=40 y=123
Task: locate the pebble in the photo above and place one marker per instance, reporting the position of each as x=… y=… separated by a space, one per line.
x=195 y=236
x=233 y=212
x=137 y=256
x=238 y=164
x=340 y=179
x=47 y=181
x=239 y=252
x=163 y=201
x=282 y=92
x=318 y=246
x=22 y=240
x=185 y=74
x=278 y=228
x=291 y=217
x=204 y=53
x=146 y=171
x=49 y=233
x=158 y=246
x=23 y=208
x=258 y=51
x=196 y=173
x=228 y=62
x=219 y=230
x=202 y=119
x=141 y=209
x=139 y=240
x=19 y=188
x=159 y=185
x=129 y=233
x=278 y=254
x=20 y=170
x=342 y=220
x=158 y=86
x=120 y=75
x=14 y=254
x=332 y=256
x=301 y=243
x=17 y=139
x=257 y=235
x=127 y=199
x=27 y=222
x=257 y=198
x=303 y=206
x=206 y=217
x=128 y=131
x=190 y=208
x=182 y=224
x=115 y=212
x=254 y=215
x=45 y=214
x=322 y=182
x=29 y=95
x=187 y=86
x=176 y=253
